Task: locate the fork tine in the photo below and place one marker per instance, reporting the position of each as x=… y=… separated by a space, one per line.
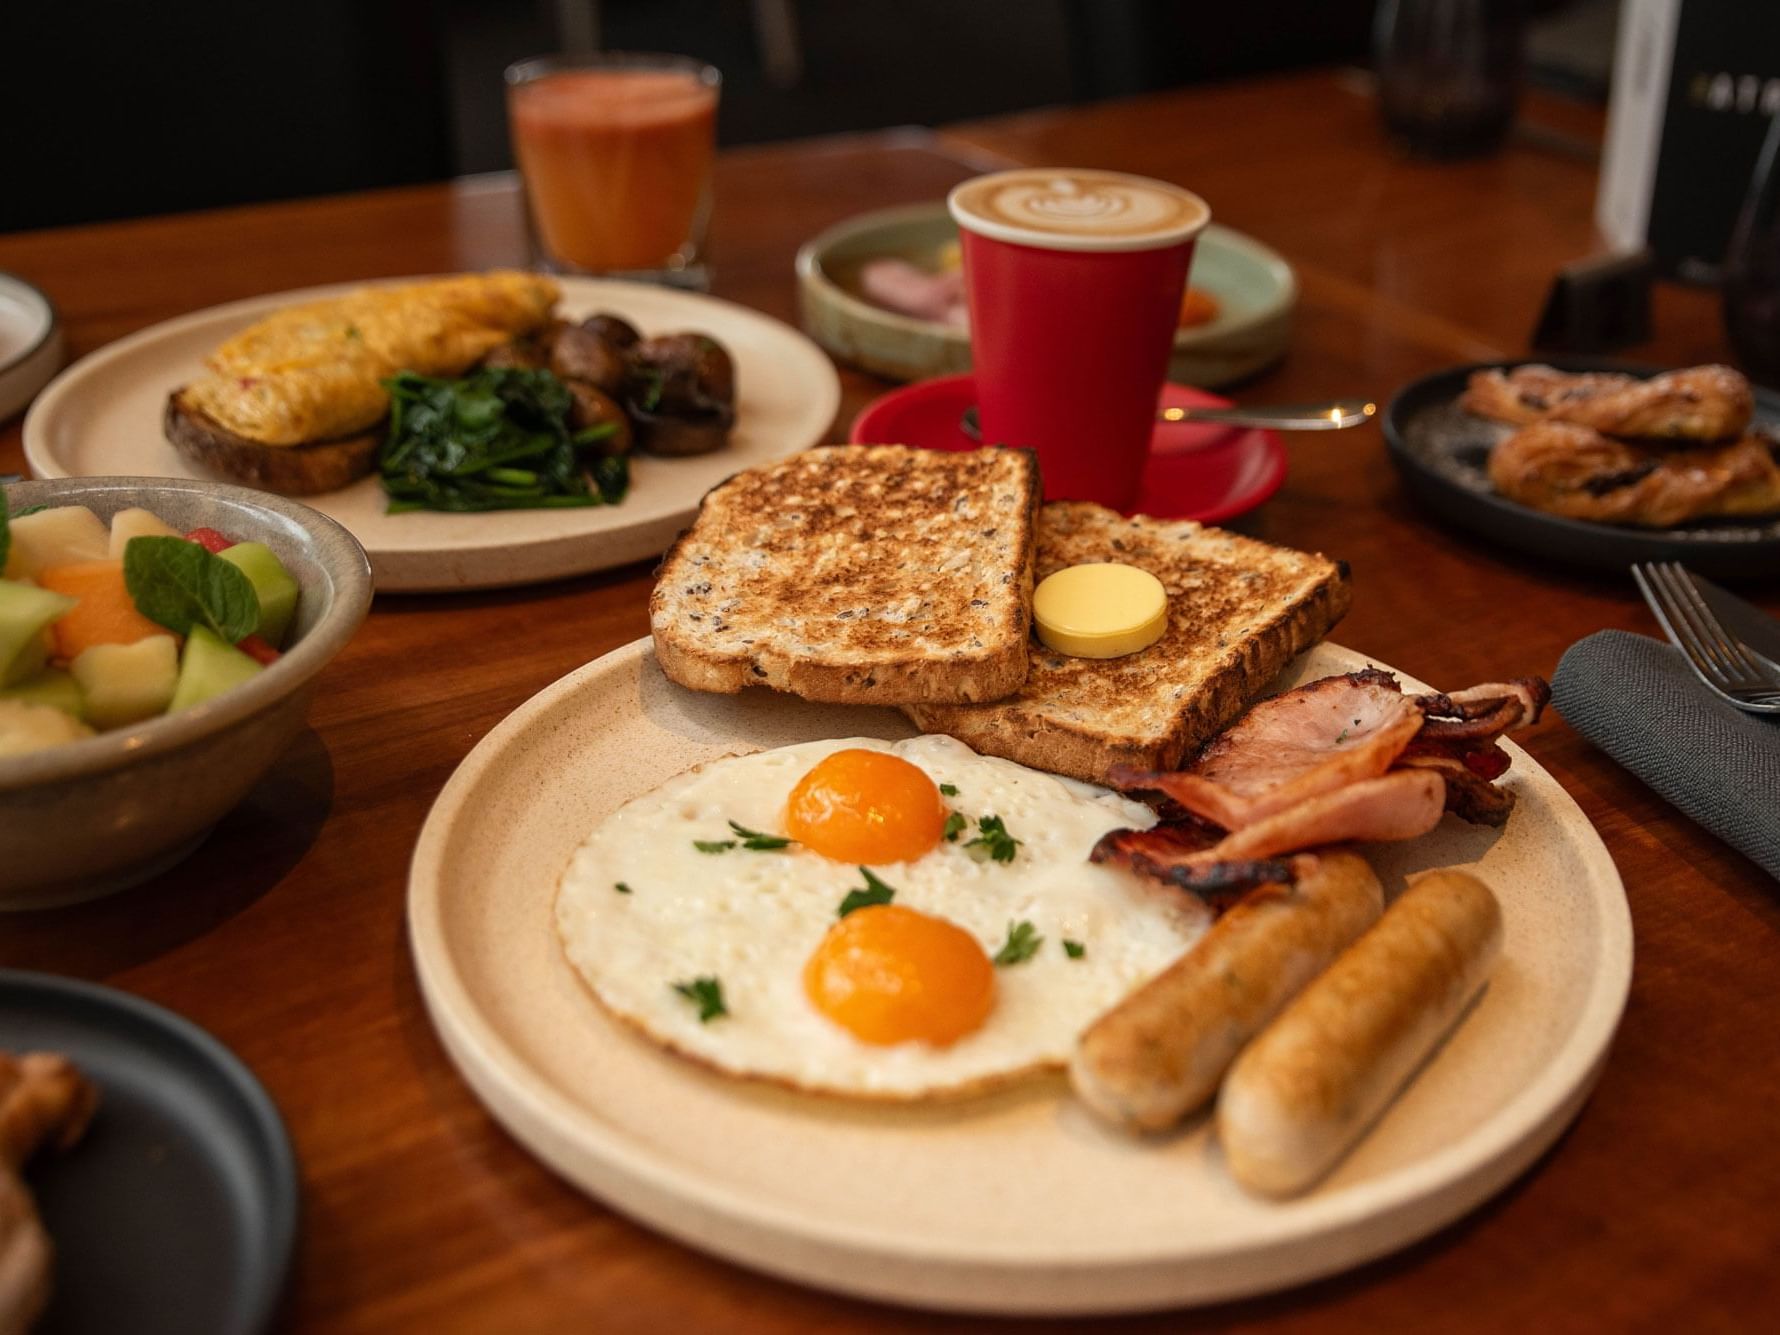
x=1730 y=645
x=1675 y=626
x=1730 y=671
x=1676 y=601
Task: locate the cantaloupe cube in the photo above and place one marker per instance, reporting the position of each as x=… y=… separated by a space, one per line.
x=105 y=613
x=66 y=535
x=122 y=683
x=137 y=523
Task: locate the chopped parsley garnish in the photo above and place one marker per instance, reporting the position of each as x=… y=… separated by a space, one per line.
x=1342 y=738
x=757 y=842
x=1021 y=945
x=1074 y=949
x=955 y=824
x=874 y=892
x=949 y=789
x=621 y=887
x=707 y=995
x=713 y=845
x=994 y=841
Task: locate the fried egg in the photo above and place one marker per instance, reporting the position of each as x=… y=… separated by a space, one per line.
x=977 y=940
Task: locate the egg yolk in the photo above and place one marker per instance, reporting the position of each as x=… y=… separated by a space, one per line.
x=866 y=807
x=889 y=974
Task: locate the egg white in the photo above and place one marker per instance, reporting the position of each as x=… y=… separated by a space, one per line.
x=752 y=919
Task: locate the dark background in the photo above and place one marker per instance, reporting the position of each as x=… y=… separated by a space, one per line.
x=131 y=108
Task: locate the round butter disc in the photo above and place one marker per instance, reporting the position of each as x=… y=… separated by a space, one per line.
x=1101 y=610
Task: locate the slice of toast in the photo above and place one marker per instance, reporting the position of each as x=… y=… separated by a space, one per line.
x=858 y=574
x=291 y=470
x=1239 y=610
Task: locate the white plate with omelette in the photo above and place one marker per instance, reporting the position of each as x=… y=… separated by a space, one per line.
x=102 y=417
x=1013 y=1200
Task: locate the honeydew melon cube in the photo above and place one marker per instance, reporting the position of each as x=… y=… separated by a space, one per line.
x=26 y=726
x=126 y=683
x=25 y=611
x=50 y=687
x=272 y=582
x=136 y=523
x=209 y=667
x=66 y=535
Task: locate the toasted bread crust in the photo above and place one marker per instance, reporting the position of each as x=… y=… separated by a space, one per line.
x=1239 y=611
x=291 y=470
x=857 y=575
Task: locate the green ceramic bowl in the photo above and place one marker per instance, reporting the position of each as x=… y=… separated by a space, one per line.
x=1255 y=288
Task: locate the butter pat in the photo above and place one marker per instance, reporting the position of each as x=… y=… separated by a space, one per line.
x=1101 y=610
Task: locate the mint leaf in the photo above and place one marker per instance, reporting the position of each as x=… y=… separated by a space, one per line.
x=177 y=584
x=875 y=892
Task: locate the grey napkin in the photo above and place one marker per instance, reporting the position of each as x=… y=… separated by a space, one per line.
x=1638 y=700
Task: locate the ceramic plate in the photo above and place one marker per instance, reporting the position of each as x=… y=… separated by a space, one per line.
x=1017 y=1203
x=177 y=1210
x=103 y=416
x=1443 y=452
x=1255 y=288
x=30 y=343
x=1195 y=470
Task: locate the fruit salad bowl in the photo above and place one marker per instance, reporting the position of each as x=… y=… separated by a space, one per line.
x=89 y=817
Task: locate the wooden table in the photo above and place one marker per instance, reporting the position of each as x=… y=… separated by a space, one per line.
x=283 y=934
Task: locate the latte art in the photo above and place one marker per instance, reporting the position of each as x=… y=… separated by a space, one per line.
x=1078 y=209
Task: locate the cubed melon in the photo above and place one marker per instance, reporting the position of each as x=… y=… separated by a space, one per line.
x=125 y=683
x=25 y=726
x=25 y=611
x=272 y=582
x=207 y=668
x=105 y=613
x=59 y=690
x=136 y=523
x=66 y=535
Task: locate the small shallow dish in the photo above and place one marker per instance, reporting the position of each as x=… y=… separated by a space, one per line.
x=30 y=343
x=1018 y=1202
x=98 y=815
x=1255 y=287
x=1443 y=452
x=177 y=1210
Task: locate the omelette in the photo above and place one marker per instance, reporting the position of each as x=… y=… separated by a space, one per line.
x=311 y=372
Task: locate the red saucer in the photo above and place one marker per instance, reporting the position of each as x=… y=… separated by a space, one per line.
x=1208 y=473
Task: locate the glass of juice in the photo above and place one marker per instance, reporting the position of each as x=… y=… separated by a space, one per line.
x=615 y=153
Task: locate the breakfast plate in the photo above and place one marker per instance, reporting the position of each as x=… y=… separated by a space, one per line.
x=1255 y=288
x=1016 y=1202
x=176 y=1211
x=103 y=416
x=1442 y=453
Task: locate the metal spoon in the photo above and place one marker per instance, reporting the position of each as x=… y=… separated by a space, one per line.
x=1337 y=416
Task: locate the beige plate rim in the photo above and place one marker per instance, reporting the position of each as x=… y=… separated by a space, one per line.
x=459 y=552
x=1392 y=1211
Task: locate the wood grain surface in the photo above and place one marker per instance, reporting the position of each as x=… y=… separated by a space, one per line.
x=283 y=934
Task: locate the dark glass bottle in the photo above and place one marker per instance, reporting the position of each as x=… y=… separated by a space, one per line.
x=1449 y=72
x=1752 y=270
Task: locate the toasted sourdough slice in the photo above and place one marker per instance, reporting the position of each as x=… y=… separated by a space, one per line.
x=292 y=470
x=859 y=574
x=1239 y=610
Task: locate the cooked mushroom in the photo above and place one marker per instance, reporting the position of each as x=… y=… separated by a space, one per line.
x=615 y=329
x=580 y=355
x=592 y=408
x=683 y=372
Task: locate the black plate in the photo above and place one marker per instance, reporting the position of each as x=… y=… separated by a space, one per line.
x=177 y=1210
x=1442 y=451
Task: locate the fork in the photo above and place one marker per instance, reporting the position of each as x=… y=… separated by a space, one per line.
x=1719 y=657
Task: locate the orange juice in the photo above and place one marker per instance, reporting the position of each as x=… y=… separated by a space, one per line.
x=616 y=162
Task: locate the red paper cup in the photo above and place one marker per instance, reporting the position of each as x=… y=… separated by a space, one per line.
x=1075 y=281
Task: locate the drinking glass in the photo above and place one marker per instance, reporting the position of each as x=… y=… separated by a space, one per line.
x=615 y=153
x=1449 y=72
x=1752 y=270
